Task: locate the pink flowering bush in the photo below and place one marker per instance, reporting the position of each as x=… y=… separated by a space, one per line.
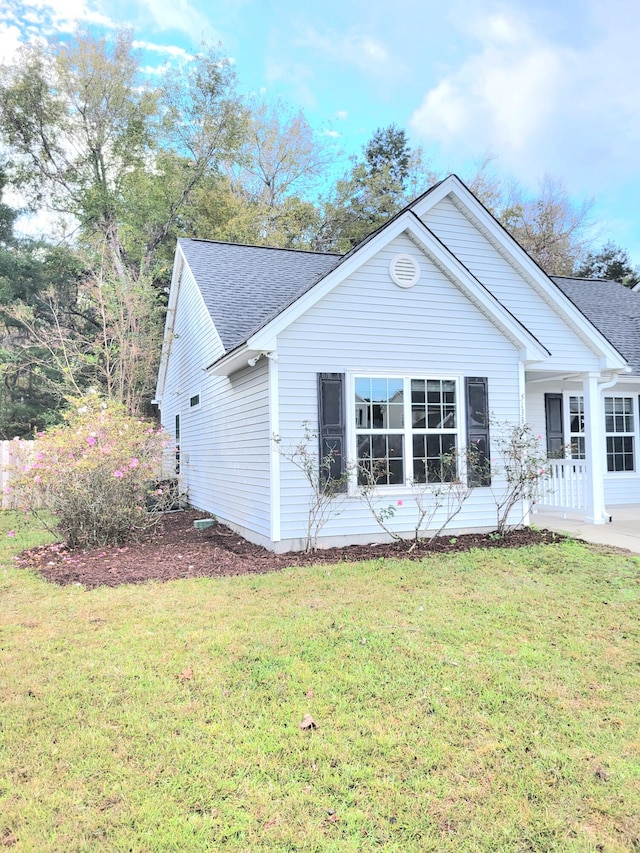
x=92 y=474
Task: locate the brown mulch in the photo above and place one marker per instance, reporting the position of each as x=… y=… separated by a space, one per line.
x=175 y=549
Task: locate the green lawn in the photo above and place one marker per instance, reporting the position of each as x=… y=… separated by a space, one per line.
x=487 y=701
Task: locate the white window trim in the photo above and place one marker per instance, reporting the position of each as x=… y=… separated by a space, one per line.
x=635 y=435
x=405 y=488
x=566 y=417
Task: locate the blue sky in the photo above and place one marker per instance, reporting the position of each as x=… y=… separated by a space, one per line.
x=544 y=86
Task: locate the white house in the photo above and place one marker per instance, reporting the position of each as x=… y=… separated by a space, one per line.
x=399 y=350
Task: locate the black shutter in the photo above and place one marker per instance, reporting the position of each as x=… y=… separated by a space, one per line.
x=477 y=400
x=555 y=425
x=331 y=423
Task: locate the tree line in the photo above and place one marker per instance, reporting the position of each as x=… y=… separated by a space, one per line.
x=123 y=166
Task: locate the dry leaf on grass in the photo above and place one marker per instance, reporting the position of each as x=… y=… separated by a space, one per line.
x=308 y=723
x=186 y=674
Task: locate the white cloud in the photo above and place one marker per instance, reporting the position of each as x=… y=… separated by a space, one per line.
x=542 y=106
x=65 y=15
x=23 y=21
x=363 y=51
x=334 y=134
x=10 y=41
x=170 y=49
x=182 y=16
x=342 y=115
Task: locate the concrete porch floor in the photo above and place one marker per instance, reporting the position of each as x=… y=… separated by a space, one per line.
x=623 y=532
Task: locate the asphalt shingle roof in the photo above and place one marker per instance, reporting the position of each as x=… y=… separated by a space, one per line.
x=245 y=286
x=612 y=308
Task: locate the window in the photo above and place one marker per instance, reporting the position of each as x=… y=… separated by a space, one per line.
x=177 y=451
x=404 y=428
x=619 y=430
x=194 y=401
x=576 y=428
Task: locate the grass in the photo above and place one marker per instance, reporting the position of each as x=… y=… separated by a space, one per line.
x=486 y=701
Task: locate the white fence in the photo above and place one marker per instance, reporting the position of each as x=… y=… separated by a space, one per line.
x=14 y=455
x=565 y=487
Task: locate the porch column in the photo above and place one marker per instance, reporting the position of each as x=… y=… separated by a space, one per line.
x=595 y=449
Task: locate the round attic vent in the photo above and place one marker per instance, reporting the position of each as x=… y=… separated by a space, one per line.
x=404 y=270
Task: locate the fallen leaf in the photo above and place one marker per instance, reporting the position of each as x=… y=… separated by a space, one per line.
x=601 y=773
x=308 y=723
x=186 y=674
x=270 y=823
x=309 y=694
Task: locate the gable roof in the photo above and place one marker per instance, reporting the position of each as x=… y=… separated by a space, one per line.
x=244 y=286
x=612 y=308
x=247 y=288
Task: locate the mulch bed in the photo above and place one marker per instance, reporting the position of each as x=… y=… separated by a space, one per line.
x=175 y=549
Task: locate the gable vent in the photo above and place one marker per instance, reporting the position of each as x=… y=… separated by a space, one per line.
x=404 y=270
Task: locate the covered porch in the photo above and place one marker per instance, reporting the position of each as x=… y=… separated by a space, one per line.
x=590 y=426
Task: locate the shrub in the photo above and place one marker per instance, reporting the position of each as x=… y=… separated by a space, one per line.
x=92 y=474
x=523 y=461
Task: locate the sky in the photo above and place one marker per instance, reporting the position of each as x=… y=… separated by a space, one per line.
x=541 y=86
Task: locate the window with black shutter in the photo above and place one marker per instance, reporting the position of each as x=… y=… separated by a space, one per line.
x=478 y=422
x=331 y=425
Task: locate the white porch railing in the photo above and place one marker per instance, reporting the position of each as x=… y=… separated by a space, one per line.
x=565 y=486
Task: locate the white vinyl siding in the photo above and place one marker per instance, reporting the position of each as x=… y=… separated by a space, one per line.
x=368 y=326
x=224 y=437
x=480 y=256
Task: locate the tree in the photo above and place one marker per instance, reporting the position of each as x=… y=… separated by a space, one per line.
x=388 y=150
x=31 y=384
x=88 y=140
x=548 y=225
x=84 y=132
x=380 y=184
x=611 y=263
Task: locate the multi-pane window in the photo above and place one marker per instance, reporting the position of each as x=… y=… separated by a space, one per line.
x=619 y=429
x=576 y=428
x=177 y=450
x=433 y=423
x=405 y=429
x=379 y=406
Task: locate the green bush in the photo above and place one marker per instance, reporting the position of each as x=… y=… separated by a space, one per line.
x=93 y=474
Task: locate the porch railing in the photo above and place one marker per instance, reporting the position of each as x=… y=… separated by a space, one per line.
x=565 y=486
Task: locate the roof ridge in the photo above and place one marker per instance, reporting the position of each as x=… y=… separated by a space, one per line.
x=256 y=246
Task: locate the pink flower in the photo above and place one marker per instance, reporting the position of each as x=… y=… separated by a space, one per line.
x=134 y=463
x=399 y=503
x=37 y=479
x=40 y=455
x=118 y=474
x=70 y=455
x=11 y=534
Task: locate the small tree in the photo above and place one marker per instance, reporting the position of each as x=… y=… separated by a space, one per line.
x=92 y=475
x=443 y=492
x=327 y=492
x=523 y=462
